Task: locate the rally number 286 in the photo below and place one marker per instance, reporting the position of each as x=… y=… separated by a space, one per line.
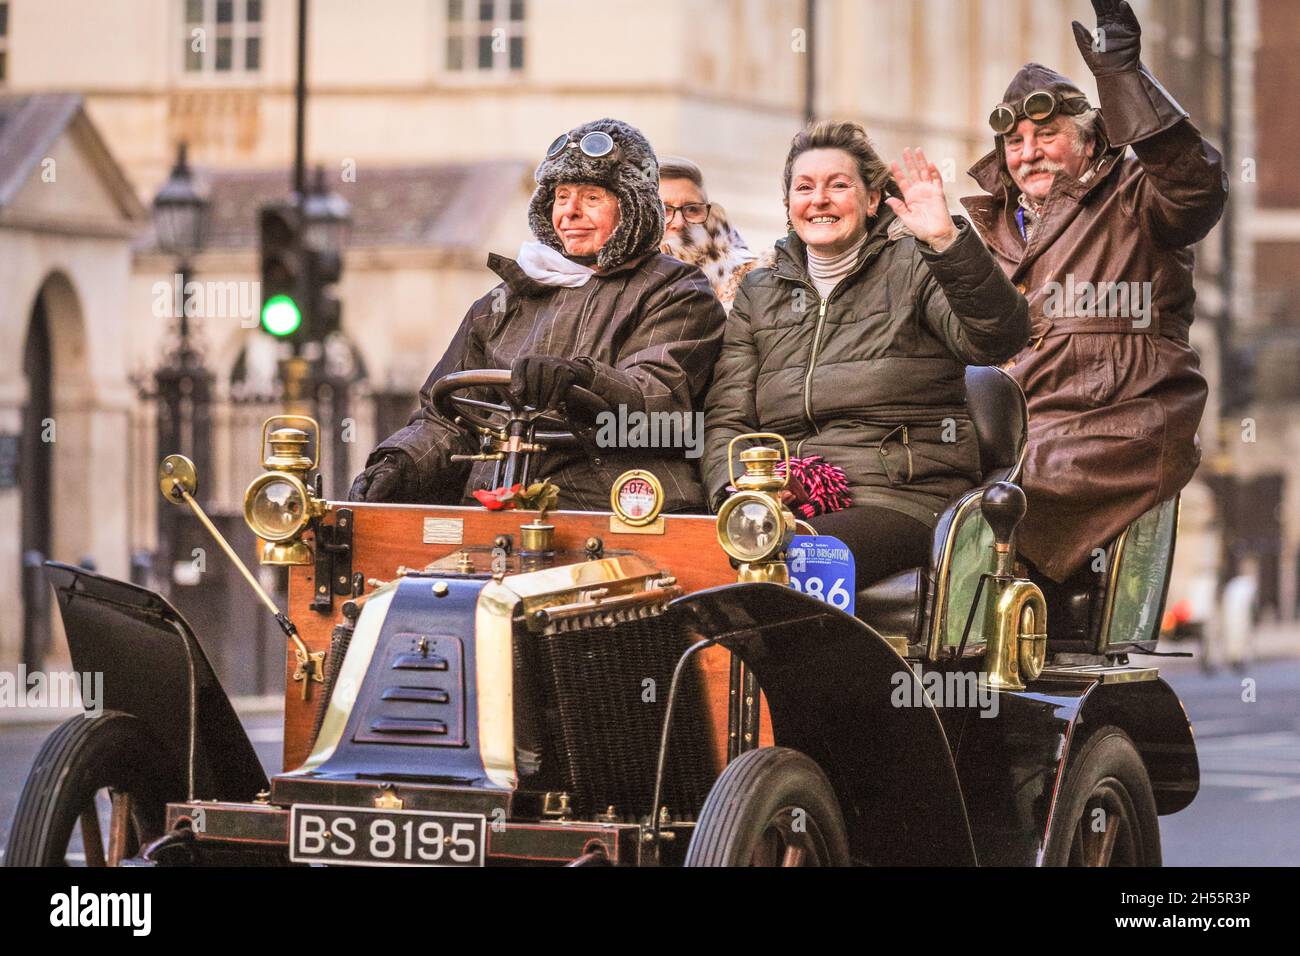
x=836 y=597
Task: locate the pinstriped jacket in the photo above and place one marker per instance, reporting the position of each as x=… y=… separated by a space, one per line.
x=652 y=328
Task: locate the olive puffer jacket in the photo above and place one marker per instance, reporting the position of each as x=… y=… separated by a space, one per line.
x=871 y=378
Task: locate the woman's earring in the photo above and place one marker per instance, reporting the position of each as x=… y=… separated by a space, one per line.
x=789 y=226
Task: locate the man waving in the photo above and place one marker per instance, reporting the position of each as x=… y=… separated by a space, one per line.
x=1098 y=241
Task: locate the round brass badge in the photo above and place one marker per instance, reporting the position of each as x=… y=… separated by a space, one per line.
x=637 y=497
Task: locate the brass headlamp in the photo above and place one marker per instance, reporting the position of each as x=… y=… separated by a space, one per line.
x=754 y=525
x=280 y=503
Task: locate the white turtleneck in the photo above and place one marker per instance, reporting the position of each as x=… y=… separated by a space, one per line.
x=827 y=271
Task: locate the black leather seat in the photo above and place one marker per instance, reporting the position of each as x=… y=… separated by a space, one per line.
x=898 y=605
x=1074 y=607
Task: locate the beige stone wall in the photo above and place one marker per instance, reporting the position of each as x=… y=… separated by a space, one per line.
x=84 y=280
x=719 y=80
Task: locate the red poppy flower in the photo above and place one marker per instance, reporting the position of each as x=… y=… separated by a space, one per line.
x=499 y=499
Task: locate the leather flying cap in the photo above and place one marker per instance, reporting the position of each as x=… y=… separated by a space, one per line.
x=1034 y=77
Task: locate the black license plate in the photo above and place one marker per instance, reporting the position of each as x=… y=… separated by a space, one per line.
x=358 y=836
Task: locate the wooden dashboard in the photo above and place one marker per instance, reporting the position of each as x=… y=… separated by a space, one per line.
x=385 y=537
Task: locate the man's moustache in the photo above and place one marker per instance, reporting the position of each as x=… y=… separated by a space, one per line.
x=1045 y=167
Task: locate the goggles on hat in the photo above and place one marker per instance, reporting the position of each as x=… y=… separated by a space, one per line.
x=596 y=144
x=1039 y=106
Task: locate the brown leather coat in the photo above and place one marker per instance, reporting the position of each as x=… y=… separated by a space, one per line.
x=1115 y=391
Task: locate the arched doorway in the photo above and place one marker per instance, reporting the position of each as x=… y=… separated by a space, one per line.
x=35 y=468
x=57 y=511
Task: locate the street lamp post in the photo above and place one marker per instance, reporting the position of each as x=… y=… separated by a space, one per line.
x=326 y=218
x=182 y=385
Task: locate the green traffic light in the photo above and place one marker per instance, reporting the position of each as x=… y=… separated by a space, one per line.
x=281 y=316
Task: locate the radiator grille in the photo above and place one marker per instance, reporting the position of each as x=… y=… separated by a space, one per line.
x=589 y=688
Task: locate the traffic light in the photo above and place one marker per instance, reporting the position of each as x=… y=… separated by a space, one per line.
x=285 y=282
x=323 y=310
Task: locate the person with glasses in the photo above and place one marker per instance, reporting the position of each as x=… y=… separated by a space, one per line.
x=697 y=231
x=1100 y=241
x=589 y=302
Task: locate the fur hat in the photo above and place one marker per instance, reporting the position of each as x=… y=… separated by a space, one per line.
x=633 y=178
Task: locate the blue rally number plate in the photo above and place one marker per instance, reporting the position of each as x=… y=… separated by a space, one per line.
x=822 y=567
x=357 y=836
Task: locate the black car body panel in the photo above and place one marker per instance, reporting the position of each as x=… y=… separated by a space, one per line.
x=1012 y=765
x=829 y=681
x=1009 y=764
x=1151 y=713
x=155 y=669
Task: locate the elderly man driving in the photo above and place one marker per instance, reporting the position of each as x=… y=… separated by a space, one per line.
x=591 y=303
x=1099 y=242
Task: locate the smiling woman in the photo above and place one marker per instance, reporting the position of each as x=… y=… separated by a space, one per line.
x=851 y=342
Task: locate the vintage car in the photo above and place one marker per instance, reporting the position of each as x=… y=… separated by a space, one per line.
x=467 y=686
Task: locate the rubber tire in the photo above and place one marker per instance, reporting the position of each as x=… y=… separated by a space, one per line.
x=84 y=755
x=1108 y=755
x=747 y=794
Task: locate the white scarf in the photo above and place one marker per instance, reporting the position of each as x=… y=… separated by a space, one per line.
x=549 y=267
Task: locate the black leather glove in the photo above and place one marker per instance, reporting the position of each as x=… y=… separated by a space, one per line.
x=1136 y=106
x=391 y=478
x=542 y=381
x=1116 y=46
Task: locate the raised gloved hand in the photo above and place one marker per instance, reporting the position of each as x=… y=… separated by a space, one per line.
x=542 y=381
x=392 y=478
x=1116 y=45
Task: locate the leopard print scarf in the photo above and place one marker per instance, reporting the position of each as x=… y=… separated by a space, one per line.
x=717 y=249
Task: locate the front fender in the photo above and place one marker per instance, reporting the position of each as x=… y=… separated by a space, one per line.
x=1012 y=766
x=154 y=669
x=831 y=684
x=1150 y=712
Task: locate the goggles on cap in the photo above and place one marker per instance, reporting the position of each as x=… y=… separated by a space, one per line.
x=1039 y=106
x=595 y=144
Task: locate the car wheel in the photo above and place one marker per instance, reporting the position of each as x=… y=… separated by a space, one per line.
x=770 y=807
x=1105 y=815
x=110 y=762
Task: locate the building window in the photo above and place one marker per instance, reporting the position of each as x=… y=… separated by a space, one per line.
x=4 y=41
x=223 y=36
x=485 y=36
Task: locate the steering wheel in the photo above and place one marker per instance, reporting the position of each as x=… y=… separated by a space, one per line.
x=507 y=430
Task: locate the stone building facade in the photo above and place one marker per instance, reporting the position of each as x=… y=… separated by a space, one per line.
x=429 y=115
